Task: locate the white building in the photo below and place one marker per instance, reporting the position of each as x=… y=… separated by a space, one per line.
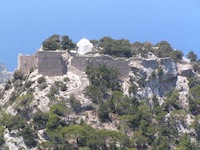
x=84 y=46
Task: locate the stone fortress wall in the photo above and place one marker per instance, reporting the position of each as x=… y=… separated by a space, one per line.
x=26 y=63
x=56 y=63
x=81 y=62
x=51 y=63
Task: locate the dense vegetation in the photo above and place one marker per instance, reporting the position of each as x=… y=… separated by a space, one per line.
x=123 y=48
x=56 y=42
x=144 y=118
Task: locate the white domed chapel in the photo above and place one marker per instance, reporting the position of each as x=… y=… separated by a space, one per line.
x=84 y=46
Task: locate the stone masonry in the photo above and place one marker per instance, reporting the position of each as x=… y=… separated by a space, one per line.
x=81 y=62
x=54 y=63
x=51 y=63
x=26 y=63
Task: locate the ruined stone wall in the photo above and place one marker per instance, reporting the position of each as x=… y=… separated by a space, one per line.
x=51 y=63
x=26 y=63
x=81 y=62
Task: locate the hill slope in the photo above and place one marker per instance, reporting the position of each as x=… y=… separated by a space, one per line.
x=156 y=107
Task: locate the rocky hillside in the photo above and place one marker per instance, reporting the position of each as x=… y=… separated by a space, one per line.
x=4 y=74
x=157 y=107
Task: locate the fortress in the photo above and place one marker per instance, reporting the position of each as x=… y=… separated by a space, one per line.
x=57 y=63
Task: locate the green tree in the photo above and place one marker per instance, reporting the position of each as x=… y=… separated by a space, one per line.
x=164 y=49
x=103 y=79
x=192 y=56
x=176 y=55
x=75 y=104
x=194 y=100
x=56 y=141
x=52 y=43
x=40 y=119
x=103 y=112
x=161 y=143
x=29 y=135
x=185 y=144
x=95 y=42
x=23 y=102
x=13 y=122
x=119 y=48
x=53 y=121
x=67 y=43
x=172 y=101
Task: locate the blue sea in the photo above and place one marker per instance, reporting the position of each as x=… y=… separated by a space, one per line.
x=25 y=24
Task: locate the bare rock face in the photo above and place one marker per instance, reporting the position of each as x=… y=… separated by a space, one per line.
x=186 y=70
x=4 y=74
x=169 y=68
x=158 y=75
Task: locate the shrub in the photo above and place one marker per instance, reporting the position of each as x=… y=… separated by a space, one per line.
x=1 y=135
x=27 y=84
x=18 y=85
x=164 y=49
x=56 y=42
x=23 y=102
x=66 y=79
x=42 y=85
x=53 y=121
x=8 y=85
x=196 y=67
x=1 y=93
x=103 y=112
x=160 y=71
x=13 y=122
x=58 y=110
x=75 y=104
x=176 y=55
x=141 y=82
x=55 y=141
x=29 y=135
x=13 y=97
x=41 y=80
x=18 y=75
x=40 y=120
x=63 y=87
x=153 y=74
x=132 y=89
x=192 y=56
x=194 y=101
x=60 y=85
x=172 y=101
x=119 y=48
x=53 y=90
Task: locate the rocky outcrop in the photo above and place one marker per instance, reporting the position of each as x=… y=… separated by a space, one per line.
x=158 y=75
x=4 y=74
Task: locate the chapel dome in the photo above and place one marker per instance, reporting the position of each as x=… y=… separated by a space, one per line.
x=84 y=46
x=83 y=41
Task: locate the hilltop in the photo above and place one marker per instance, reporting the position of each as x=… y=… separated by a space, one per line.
x=153 y=106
